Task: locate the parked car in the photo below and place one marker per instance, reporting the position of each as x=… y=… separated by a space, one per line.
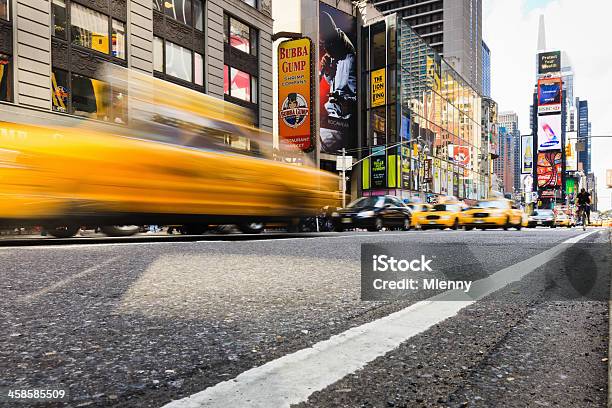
x=440 y=216
x=374 y=214
x=494 y=213
x=542 y=218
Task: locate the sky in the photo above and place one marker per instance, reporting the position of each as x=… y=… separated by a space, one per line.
x=579 y=27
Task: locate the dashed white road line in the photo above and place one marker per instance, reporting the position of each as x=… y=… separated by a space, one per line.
x=293 y=378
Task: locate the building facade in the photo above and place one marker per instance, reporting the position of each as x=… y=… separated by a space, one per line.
x=453 y=28
x=51 y=52
x=424 y=133
x=486 y=70
x=504 y=165
x=509 y=121
x=584 y=149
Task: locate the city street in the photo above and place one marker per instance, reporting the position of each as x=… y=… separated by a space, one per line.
x=273 y=321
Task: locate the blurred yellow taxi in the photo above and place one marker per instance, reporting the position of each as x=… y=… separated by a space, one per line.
x=418 y=209
x=494 y=213
x=563 y=220
x=184 y=158
x=439 y=216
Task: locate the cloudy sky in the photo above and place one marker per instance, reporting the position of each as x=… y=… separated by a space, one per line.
x=583 y=29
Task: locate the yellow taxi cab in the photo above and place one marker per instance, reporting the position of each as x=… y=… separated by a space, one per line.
x=439 y=216
x=493 y=213
x=606 y=223
x=418 y=209
x=563 y=220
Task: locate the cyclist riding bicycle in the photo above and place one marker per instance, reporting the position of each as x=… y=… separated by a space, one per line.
x=583 y=200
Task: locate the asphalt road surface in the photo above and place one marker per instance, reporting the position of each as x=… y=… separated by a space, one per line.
x=279 y=322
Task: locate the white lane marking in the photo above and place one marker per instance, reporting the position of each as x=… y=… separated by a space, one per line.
x=575 y=240
x=64 y=282
x=291 y=379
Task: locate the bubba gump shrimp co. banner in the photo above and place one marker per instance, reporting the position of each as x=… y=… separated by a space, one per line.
x=295 y=93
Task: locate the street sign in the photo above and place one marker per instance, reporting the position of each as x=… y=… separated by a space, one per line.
x=344 y=165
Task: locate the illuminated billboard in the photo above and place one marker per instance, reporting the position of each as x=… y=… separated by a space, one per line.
x=526 y=154
x=549 y=95
x=550 y=169
x=549 y=62
x=337 y=79
x=549 y=132
x=294 y=93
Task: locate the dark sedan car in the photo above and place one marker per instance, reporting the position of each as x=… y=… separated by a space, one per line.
x=374 y=214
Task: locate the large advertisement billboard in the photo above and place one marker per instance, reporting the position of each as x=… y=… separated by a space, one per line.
x=527 y=154
x=337 y=79
x=549 y=132
x=549 y=169
x=549 y=62
x=294 y=93
x=549 y=95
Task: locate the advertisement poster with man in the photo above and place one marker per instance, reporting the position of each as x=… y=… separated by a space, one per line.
x=549 y=132
x=294 y=81
x=337 y=79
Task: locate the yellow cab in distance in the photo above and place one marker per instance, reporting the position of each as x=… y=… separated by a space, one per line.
x=563 y=220
x=418 y=209
x=440 y=216
x=493 y=213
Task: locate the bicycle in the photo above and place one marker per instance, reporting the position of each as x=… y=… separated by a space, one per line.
x=582 y=217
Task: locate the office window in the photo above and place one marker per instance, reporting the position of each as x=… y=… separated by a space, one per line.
x=6 y=84
x=158 y=54
x=239 y=84
x=118 y=39
x=252 y=3
x=89 y=28
x=60 y=92
x=226 y=80
x=90 y=97
x=179 y=62
x=5 y=9
x=198 y=15
x=198 y=77
x=58 y=17
x=254 y=88
x=180 y=10
x=239 y=35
